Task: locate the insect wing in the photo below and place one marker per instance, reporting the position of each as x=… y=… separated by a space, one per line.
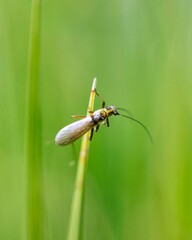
x=73 y=131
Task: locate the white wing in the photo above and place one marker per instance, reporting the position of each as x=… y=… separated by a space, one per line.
x=73 y=131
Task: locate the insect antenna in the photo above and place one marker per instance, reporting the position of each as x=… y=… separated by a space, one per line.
x=140 y=123
x=125 y=110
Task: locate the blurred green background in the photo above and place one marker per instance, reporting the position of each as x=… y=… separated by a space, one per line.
x=141 y=53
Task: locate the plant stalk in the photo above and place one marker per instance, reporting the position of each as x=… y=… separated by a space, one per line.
x=34 y=221
x=75 y=222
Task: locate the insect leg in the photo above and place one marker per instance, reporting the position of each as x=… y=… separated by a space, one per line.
x=91 y=135
x=97 y=128
x=78 y=116
x=103 y=102
x=107 y=122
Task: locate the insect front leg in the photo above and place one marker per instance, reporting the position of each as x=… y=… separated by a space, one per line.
x=103 y=102
x=106 y=122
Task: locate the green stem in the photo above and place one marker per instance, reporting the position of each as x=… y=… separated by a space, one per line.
x=75 y=222
x=33 y=132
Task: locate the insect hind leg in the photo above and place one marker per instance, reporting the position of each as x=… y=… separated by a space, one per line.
x=91 y=134
x=97 y=128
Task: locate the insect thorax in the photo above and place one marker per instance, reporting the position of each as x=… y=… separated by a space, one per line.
x=99 y=116
x=102 y=114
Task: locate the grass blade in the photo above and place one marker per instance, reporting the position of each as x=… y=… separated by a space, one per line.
x=33 y=131
x=75 y=222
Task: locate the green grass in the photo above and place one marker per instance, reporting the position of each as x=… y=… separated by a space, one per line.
x=33 y=148
x=76 y=215
x=140 y=53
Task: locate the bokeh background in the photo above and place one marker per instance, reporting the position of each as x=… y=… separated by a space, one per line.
x=141 y=53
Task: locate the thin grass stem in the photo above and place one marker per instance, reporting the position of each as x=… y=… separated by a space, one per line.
x=75 y=222
x=34 y=223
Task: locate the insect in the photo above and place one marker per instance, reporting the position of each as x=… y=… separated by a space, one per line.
x=74 y=131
